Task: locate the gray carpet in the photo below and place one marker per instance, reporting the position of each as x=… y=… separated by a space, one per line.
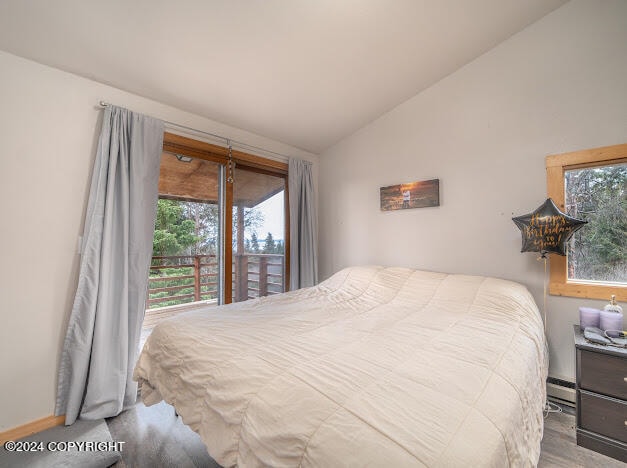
x=92 y=447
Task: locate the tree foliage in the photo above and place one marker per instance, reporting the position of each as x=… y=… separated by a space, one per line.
x=269 y=246
x=252 y=219
x=280 y=247
x=206 y=227
x=254 y=243
x=174 y=233
x=598 y=195
x=191 y=229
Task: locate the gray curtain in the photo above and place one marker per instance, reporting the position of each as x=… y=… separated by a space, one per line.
x=303 y=225
x=100 y=348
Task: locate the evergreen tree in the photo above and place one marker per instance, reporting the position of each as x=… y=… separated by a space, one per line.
x=173 y=233
x=280 y=247
x=269 y=245
x=254 y=243
x=253 y=219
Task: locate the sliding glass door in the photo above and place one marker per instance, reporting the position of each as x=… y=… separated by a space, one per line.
x=188 y=240
x=259 y=234
x=220 y=236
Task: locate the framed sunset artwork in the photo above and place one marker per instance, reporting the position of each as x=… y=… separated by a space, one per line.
x=419 y=194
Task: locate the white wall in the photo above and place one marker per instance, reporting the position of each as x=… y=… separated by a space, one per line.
x=484 y=131
x=49 y=123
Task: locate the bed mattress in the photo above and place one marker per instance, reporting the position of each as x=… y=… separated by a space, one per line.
x=373 y=367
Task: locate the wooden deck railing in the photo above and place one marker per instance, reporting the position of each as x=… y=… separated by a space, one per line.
x=182 y=279
x=257 y=275
x=179 y=279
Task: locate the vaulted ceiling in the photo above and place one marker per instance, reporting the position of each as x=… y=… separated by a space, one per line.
x=304 y=72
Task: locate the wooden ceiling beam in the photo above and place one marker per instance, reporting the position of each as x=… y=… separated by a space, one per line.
x=178 y=144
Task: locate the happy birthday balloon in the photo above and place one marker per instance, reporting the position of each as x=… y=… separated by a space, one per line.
x=547 y=229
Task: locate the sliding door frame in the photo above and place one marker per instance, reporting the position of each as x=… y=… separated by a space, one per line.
x=178 y=144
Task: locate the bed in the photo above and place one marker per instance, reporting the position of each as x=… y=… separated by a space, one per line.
x=373 y=367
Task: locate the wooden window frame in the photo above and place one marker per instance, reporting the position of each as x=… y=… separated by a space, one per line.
x=556 y=166
x=178 y=144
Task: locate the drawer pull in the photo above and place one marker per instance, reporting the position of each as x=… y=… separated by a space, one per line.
x=625 y=379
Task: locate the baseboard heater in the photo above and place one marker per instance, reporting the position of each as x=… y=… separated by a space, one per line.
x=561 y=391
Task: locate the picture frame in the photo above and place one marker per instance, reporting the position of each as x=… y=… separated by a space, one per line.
x=419 y=194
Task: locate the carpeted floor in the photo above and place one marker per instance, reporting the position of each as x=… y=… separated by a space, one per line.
x=84 y=444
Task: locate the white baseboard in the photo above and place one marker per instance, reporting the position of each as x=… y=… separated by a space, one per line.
x=564 y=394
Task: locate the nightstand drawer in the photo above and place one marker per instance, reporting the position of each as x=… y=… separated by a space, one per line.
x=605 y=416
x=602 y=373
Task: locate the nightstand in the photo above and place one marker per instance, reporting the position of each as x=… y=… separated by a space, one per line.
x=601 y=397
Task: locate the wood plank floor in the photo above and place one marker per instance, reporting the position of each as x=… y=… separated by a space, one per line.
x=156 y=437
x=560 y=449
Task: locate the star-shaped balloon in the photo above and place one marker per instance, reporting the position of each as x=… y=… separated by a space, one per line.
x=547 y=229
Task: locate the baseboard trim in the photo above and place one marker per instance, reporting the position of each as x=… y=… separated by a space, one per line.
x=32 y=427
x=560 y=382
x=562 y=393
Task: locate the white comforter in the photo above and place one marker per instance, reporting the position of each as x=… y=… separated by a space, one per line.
x=381 y=367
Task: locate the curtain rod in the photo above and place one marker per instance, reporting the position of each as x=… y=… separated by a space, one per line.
x=220 y=137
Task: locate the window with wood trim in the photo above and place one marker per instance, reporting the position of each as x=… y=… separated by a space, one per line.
x=209 y=229
x=591 y=185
